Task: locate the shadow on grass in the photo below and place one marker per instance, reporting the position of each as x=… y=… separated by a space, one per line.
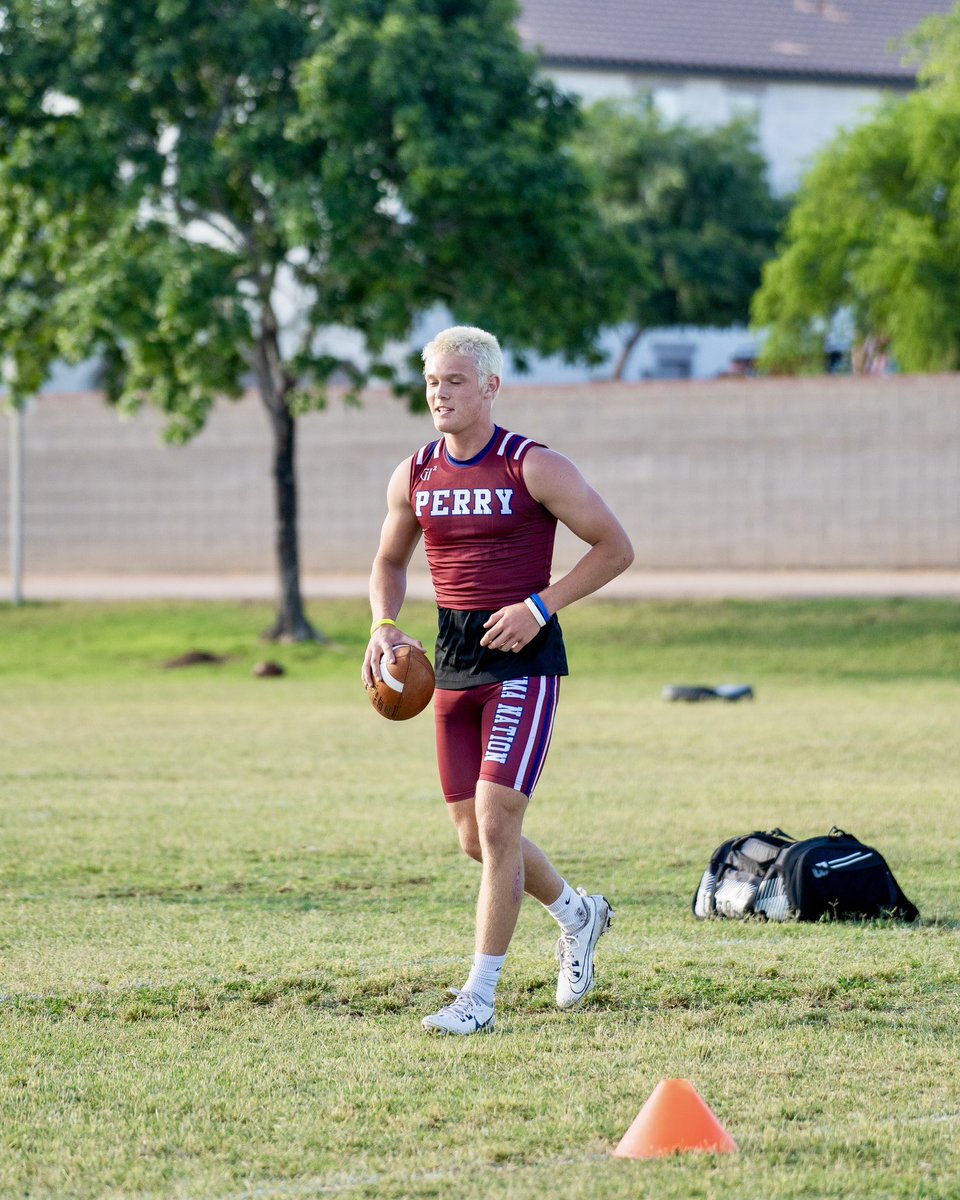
x=266 y=894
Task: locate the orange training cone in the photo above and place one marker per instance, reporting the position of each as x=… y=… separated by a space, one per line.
x=675 y=1118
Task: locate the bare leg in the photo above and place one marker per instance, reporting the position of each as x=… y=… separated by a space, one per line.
x=490 y=831
x=499 y=822
x=541 y=880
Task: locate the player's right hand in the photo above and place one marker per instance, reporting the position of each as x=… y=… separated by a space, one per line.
x=382 y=642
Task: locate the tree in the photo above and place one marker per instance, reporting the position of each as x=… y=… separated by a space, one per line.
x=171 y=171
x=875 y=234
x=693 y=209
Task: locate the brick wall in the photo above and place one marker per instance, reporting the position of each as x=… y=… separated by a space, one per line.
x=756 y=473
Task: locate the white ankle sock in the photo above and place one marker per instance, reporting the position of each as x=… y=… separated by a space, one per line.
x=567 y=910
x=485 y=975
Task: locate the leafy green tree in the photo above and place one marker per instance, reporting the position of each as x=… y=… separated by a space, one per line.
x=172 y=170
x=693 y=209
x=875 y=234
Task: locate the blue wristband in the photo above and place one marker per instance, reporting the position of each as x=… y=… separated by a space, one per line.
x=541 y=606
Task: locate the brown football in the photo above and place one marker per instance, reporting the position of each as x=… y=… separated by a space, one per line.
x=405 y=687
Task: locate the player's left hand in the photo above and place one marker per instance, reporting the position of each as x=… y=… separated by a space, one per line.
x=510 y=629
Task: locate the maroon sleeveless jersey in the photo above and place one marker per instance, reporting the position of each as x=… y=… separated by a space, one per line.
x=488 y=541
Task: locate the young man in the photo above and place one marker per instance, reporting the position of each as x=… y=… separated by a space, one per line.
x=487 y=503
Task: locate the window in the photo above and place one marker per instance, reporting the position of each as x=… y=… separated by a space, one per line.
x=672 y=360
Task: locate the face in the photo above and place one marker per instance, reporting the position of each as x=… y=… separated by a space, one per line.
x=457 y=404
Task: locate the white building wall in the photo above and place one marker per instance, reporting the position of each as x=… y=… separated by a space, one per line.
x=710 y=353
x=797 y=120
x=794 y=119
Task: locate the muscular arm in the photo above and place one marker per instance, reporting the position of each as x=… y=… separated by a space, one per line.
x=388 y=577
x=559 y=486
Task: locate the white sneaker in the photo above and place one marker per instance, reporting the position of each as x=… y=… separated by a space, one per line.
x=467 y=1014
x=575 y=951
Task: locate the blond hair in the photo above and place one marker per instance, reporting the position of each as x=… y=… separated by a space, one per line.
x=481 y=346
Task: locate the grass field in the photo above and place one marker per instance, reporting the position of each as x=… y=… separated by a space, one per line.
x=226 y=902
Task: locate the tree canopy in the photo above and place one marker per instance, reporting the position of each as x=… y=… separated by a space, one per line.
x=693 y=209
x=205 y=193
x=875 y=234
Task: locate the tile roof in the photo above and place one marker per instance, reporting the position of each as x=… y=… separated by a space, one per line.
x=848 y=40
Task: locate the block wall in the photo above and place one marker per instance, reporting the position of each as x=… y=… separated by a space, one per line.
x=753 y=473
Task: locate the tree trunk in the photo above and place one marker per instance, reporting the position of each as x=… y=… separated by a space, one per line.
x=628 y=348
x=291 y=624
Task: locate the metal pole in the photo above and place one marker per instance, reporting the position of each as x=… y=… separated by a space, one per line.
x=16 y=504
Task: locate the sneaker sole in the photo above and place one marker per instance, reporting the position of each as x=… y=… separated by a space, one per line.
x=442 y=1032
x=602 y=927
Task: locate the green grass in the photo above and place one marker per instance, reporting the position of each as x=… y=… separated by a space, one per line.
x=226 y=902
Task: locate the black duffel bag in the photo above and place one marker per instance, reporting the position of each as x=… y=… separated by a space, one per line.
x=771 y=875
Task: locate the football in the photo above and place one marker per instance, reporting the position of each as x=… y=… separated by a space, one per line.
x=405 y=687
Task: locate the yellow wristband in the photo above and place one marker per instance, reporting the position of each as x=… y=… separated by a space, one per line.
x=376 y=625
